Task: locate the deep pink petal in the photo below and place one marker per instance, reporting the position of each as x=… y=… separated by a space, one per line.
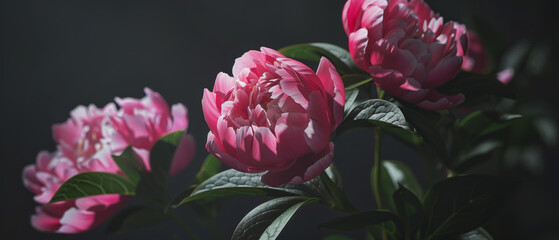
x=334 y=86
x=445 y=70
x=358 y=42
x=210 y=109
x=227 y=159
x=436 y=101
x=303 y=170
x=42 y=221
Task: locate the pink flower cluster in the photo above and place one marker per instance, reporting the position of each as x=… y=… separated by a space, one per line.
x=86 y=142
x=275 y=115
x=409 y=50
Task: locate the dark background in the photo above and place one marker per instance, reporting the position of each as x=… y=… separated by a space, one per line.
x=60 y=54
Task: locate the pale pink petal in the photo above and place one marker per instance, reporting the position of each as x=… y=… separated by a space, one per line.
x=506 y=75
x=180 y=117
x=97 y=203
x=78 y=219
x=223 y=84
x=67 y=132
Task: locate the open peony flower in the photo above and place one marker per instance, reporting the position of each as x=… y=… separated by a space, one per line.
x=276 y=115
x=86 y=142
x=406 y=48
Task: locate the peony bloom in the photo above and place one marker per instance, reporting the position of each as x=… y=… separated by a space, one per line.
x=85 y=143
x=276 y=115
x=407 y=49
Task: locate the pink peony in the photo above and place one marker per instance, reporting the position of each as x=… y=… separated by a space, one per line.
x=276 y=115
x=407 y=49
x=85 y=143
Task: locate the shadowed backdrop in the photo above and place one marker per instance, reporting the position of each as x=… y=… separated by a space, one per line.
x=59 y=54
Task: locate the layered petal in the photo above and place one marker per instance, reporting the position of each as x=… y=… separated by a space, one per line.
x=273 y=114
x=86 y=142
x=408 y=49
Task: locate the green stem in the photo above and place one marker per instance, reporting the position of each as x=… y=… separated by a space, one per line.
x=376 y=172
x=376 y=168
x=184 y=226
x=380 y=93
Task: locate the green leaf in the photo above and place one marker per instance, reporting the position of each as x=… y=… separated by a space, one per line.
x=409 y=209
x=380 y=110
x=267 y=220
x=350 y=103
x=340 y=58
x=161 y=155
x=424 y=123
x=461 y=204
x=388 y=221
x=410 y=138
x=478 y=154
x=135 y=219
x=130 y=164
x=93 y=183
x=336 y=196
x=478 y=234
x=210 y=167
x=384 y=115
x=482 y=123
x=337 y=237
x=234 y=183
x=473 y=85
x=392 y=175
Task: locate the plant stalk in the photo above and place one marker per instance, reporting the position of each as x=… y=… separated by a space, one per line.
x=376 y=172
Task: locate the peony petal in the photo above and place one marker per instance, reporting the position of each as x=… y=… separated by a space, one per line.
x=210 y=109
x=227 y=159
x=183 y=155
x=334 y=86
x=78 y=219
x=317 y=133
x=42 y=221
x=506 y=75
x=223 y=84
x=358 y=42
x=444 y=71
x=291 y=143
x=68 y=132
x=303 y=170
x=97 y=203
x=180 y=117
x=436 y=101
